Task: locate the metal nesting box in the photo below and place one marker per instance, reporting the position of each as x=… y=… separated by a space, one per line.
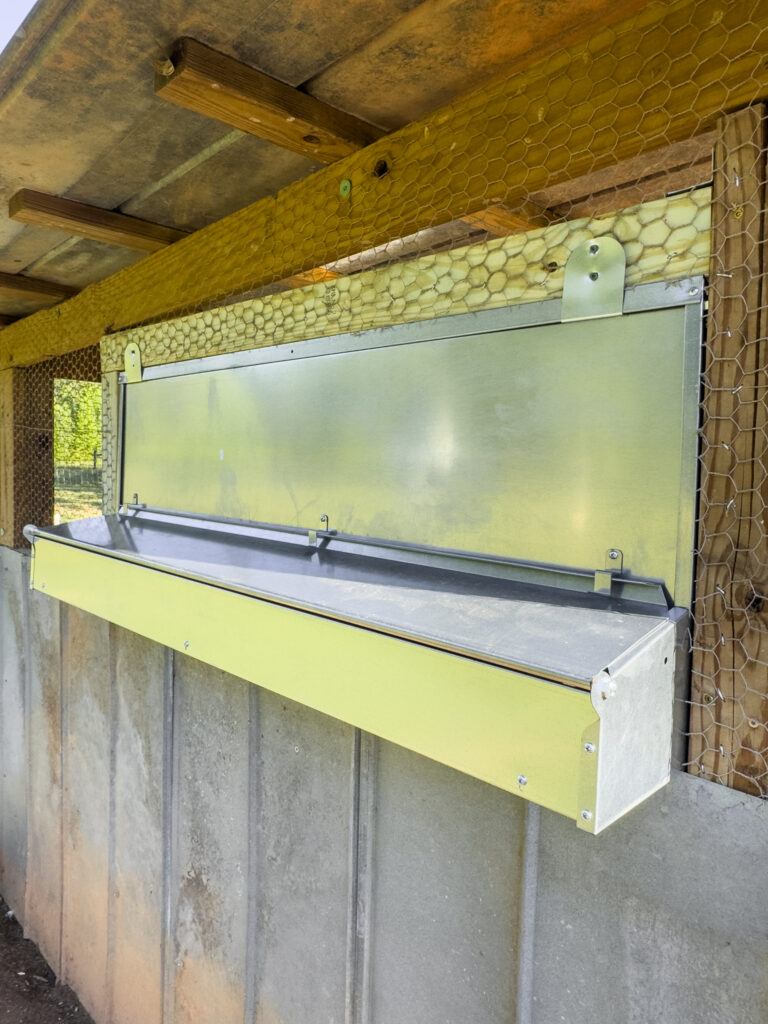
x=467 y=536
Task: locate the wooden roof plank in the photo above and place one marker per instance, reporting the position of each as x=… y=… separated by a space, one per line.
x=211 y=83
x=85 y=221
x=500 y=144
x=441 y=49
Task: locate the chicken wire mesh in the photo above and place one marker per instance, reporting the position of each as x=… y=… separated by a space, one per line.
x=57 y=443
x=479 y=206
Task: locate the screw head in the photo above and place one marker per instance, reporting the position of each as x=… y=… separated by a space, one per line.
x=522 y=780
x=590 y=748
x=345 y=187
x=708 y=698
x=586 y=815
x=613 y=553
x=186 y=644
x=594 y=249
x=594 y=275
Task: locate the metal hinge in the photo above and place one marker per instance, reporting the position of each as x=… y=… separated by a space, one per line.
x=614 y=565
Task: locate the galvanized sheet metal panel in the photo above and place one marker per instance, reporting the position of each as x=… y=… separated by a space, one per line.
x=555 y=633
x=551 y=443
x=493 y=723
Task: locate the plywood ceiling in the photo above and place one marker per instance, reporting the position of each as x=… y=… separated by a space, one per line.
x=80 y=119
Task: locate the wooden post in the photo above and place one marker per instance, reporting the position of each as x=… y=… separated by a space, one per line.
x=729 y=712
x=9 y=383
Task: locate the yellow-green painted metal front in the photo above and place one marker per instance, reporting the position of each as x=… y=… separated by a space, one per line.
x=489 y=722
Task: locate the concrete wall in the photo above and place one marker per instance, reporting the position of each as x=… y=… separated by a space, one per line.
x=189 y=848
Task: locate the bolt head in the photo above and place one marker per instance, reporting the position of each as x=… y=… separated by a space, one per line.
x=586 y=815
x=590 y=748
x=522 y=780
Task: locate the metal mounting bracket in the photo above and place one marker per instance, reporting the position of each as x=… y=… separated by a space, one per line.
x=614 y=559
x=133 y=369
x=614 y=565
x=594 y=280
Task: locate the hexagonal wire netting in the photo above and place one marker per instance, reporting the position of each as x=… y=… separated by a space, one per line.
x=531 y=191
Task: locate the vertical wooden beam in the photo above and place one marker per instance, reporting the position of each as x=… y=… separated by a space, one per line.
x=9 y=380
x=729 y=716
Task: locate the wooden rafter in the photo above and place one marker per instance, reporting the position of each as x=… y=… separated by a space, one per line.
x=14 y=286
x=211 y=83
x=87 y=221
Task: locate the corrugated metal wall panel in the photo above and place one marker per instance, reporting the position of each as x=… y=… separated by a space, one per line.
x=230 y=856
x=13 y=709
x=87 y=833
x=42 y=913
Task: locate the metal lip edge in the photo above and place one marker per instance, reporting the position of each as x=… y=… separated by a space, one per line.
x=528 y=573
x=637 y=299
x=420 y=640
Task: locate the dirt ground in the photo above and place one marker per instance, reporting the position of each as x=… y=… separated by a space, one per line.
x=75 y=502
x=28 y=990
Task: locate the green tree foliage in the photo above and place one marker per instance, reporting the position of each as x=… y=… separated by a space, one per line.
x=76 y=422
